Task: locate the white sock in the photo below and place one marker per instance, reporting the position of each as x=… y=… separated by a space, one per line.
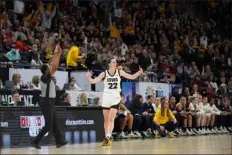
x=108 y=135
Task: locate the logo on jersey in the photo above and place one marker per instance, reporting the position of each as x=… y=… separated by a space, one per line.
x=33 y=123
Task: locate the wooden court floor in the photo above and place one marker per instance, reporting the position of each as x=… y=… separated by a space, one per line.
x=215 y=144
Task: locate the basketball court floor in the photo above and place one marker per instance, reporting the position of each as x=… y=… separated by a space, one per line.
x=215 y=144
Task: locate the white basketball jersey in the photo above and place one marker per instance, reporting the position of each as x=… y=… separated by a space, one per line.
x=112 y=82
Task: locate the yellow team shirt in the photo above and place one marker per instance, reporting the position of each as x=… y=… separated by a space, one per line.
x=49 y=51
x=130 y=29
x=163 y=119
x=114 y=32
x=73 y=56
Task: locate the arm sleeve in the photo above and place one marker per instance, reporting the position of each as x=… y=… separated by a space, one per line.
x=75 y=51
x=171 y=115
x=157 y=115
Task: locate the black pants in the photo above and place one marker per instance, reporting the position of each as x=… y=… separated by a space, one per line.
x=220 y=120
x=169 y=126
x=137 y=123
x=49 y=112
x=223 y=120
x=147 y=122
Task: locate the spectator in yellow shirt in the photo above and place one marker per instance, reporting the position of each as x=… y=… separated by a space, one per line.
x=114 y=32
x=130 y=28
x=73 y=56
x=164 y=119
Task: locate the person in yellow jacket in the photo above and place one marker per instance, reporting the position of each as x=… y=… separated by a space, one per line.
x=74 y=56
x=114 y=32
x=165 y=120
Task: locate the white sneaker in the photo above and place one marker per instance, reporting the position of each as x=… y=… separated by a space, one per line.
x=122 y=135
x=221 y=130
x=213 y=131
x=188 y=132
x=216 y=130
x=208 y=131
x=145 y=134
x=226 y=131
x=200 y=132
x=193 y=133
x=205 y=131
x=138 y=134
x=182 y=132
x=230 y=129
x=179 y=132
x=131 y=135
x=195 y=130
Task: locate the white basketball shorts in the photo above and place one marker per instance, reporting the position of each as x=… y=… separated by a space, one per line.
x=110 y=99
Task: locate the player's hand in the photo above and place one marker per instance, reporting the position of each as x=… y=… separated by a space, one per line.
x=89 y=74
x=58 y=49
x=140 y=70
x=162 y=128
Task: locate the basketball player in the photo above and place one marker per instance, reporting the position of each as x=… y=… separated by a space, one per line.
x=111 y=95
x=47 y=102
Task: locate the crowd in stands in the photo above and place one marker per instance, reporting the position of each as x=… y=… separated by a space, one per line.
x=171 y=44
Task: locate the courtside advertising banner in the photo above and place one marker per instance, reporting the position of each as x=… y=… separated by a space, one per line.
x=19 y=125
x=155 y=89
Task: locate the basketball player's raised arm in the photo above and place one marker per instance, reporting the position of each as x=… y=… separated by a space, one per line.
x=55 y=60
x=131 y=76
x=95 y=80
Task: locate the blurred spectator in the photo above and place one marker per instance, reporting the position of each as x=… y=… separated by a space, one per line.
x=186 y=92
x=74 y=55
x=18 y=82
x=13 y=55
x=65 y=100
x=83 y=100
x=72 y=85
x=212 y=85
x=157 y=104
x=36 y=60
x=96 y=101
x=16 y=99
x=47 y=17
x=36 y=83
